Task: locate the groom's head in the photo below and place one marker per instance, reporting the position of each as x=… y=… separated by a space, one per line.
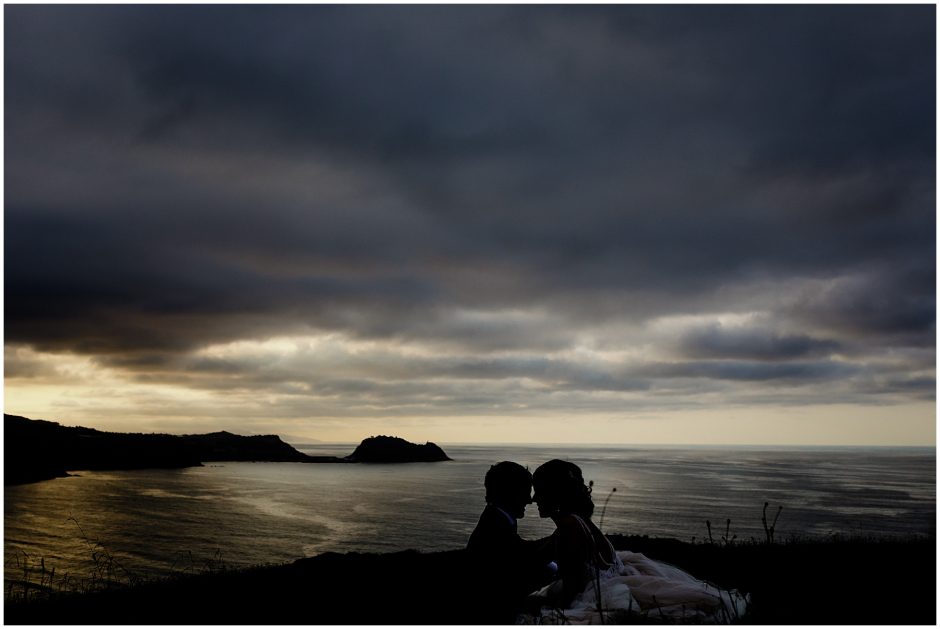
x=509 y=487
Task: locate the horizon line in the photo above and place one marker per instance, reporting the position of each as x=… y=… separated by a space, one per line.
x=644 y=445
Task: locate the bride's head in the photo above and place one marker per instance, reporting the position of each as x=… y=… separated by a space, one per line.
x=559 y=488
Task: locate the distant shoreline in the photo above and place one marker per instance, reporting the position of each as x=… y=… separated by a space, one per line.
x=39 y=450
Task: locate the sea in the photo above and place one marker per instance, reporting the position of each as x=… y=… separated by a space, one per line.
x=152 y=523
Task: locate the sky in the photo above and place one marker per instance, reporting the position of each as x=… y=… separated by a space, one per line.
x=535 y=224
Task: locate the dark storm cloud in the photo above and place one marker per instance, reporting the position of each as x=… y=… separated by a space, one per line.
x=716 y=342
x=891 y=303
x=473 y=179
x=802 y=372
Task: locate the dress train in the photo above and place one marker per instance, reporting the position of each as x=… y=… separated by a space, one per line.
x=636 y=587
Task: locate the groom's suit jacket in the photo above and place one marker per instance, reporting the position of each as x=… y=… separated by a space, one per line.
x=495 y=536
x=505 y=567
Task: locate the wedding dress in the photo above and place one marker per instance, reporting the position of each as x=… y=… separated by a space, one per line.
x=635 y=588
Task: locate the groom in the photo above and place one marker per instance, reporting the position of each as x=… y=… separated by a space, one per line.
x=506 y=568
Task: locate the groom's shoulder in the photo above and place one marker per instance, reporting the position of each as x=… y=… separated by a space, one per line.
x=493 y=530
x=493 y=518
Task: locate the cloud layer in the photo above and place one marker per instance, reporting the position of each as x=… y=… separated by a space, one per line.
x=476 y=208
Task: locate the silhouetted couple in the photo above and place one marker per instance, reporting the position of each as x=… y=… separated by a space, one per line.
x=512 y=568
x=574 y=575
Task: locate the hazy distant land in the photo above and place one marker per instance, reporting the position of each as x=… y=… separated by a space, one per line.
x=37 y=450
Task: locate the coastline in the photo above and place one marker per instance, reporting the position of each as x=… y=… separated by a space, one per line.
x=37 y=450
x=837 y=581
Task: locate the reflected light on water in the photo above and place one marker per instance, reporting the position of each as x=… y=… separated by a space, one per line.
x=159 y=521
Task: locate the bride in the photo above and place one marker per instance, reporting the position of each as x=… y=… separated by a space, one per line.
x=599 y=585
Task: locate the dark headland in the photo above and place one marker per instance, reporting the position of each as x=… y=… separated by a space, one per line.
x=36 y=450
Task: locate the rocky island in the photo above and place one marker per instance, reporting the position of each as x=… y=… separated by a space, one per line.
x=37 y=450
x=384 y=449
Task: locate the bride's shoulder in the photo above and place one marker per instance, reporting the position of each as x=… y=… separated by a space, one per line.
x=568 y=520
x=571 y=524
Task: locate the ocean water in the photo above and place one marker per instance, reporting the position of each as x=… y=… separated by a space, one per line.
x=154 y=522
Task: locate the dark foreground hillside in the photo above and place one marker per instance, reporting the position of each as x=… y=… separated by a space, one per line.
x=836 y=582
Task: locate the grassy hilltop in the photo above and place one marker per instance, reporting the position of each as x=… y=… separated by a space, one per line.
x=832 y=582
